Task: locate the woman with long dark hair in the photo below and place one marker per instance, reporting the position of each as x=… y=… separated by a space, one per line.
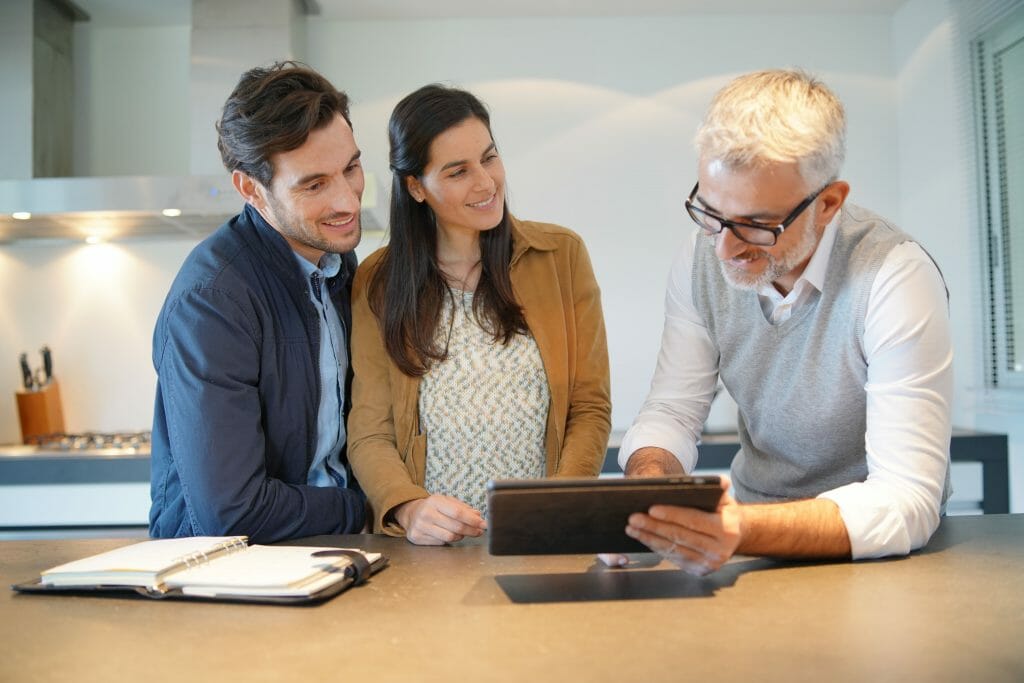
x=478 y=343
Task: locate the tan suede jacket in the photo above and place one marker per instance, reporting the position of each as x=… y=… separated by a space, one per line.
x=554 y=283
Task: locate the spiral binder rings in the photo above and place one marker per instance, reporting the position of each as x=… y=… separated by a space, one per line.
x=214 y=568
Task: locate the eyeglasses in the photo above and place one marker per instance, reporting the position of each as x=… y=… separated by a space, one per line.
x=751 y=233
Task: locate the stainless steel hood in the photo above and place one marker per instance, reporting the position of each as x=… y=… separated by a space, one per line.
x=226 y=37
x=115 y=208
x=129 y=207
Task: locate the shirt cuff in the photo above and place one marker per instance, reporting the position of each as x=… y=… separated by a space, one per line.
x=669 y=437
x=873 y=521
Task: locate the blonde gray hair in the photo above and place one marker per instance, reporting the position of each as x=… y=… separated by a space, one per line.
x=776 y=116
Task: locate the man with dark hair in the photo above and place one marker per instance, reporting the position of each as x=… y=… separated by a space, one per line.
x=251 y=347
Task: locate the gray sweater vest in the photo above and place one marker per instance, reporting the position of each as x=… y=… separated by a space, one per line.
x=799 y=385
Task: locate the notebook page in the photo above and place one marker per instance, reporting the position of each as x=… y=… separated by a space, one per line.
x=132 y=564
x=263 y=568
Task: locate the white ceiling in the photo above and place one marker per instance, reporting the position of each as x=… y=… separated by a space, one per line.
x=171 y=12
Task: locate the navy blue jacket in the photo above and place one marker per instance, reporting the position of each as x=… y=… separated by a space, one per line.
x=236 y=350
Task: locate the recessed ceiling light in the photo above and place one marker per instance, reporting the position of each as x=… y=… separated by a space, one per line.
x=21 y=215
x=171 y=213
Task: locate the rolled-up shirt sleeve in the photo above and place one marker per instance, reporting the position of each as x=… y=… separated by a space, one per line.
x=685 y=378
x=909 y=393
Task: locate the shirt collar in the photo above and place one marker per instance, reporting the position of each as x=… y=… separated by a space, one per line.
x=330 y=265
x=814 y=273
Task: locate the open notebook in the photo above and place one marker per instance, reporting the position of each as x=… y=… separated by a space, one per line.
x=214 y=567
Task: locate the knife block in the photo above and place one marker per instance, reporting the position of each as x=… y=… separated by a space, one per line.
x=40 y=412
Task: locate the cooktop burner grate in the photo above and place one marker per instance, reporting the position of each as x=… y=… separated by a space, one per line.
x=91 y=440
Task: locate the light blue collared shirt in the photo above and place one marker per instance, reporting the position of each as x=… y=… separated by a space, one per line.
x=326 y=468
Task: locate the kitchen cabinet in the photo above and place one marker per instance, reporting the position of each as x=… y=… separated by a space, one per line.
x=72 y=490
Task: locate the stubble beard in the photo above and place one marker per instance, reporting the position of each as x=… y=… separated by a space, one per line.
x=777 y=267
x=308 y=233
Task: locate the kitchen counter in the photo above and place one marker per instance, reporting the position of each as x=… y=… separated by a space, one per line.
x=953 y=612
x=44 y=488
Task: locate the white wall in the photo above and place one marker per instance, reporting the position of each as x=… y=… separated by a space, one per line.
x=594 y=118
x=934 y=179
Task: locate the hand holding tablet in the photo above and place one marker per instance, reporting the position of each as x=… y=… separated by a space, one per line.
x=564 y=516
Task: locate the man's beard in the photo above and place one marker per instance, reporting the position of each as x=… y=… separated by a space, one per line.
x=294 y=226
x=777 y=265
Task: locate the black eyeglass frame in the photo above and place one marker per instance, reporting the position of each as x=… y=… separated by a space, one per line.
x=697 y=214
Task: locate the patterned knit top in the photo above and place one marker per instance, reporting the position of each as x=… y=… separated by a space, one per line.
x=483 y=410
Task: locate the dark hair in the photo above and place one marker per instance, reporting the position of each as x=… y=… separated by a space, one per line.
x=271 y=110
x=407 y=289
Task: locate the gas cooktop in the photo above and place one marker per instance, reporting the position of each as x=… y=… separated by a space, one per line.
x=85 y=443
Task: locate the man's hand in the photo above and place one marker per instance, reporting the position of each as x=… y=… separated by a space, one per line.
x=437 y=520
x=697 y=542
x=649 y=461
x=652 y=461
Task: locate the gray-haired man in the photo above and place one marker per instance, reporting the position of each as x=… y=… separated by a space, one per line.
x=828 y=326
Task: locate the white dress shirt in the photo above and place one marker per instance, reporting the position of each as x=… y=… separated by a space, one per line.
x=908 y=351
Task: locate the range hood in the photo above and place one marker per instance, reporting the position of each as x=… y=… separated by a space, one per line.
x=115 y=208
x=129 y=207
x=226 y=38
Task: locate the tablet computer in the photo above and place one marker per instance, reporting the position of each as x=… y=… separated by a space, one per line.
x=564 y=516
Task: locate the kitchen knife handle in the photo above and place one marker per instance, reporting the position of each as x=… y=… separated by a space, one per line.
x=26 y=372
x=47 y=363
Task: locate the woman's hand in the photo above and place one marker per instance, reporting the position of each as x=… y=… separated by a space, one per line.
x=437 y=520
